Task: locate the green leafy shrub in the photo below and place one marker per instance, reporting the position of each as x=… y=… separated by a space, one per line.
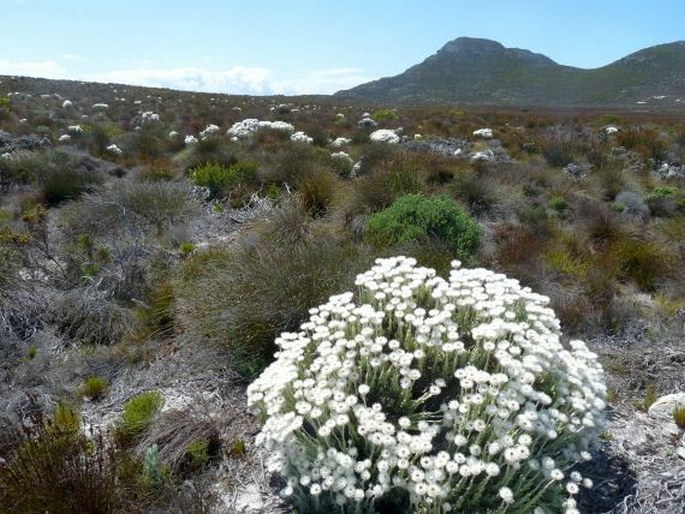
x=414 y=383
x=139 y=413
x=666 y=201
x=416 y=218
x=384 y=114
x=221 y=180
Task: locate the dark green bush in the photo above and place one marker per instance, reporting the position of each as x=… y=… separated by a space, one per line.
x=416 y=218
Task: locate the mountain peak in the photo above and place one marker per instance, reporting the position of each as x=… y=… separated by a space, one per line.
x=479 y=71
x=470 y=45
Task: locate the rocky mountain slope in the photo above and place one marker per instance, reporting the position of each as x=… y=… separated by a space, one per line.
x=484 y=72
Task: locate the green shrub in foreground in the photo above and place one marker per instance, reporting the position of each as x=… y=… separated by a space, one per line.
x=414 y=218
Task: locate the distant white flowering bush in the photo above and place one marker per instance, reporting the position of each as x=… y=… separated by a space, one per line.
x=301 y=137
x=210 y=130
x=190 y=139
x=343 y=156
x=385 y=136
x=67 y=104
x=456 y=393
x=340 y=141
x=610 y=130
x=149 y=117
x=100 y=106
x=75 y=129
x=64 y=139
x=485 y=133
x=173 y=134
x=114 y=149
x=249 y=126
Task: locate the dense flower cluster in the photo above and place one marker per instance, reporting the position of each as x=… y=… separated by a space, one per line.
x=340 y=141
x=64 y=139
x=247 y=127
x=385 y=136
x=149 y=117
x=210 y=130
x=190 y=139
x=114 y=149
x=485 y=133
x=458 y=391
x=301 y=137
x=75 y=129
x=100 y=106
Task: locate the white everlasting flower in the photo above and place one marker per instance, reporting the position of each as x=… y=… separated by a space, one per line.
x=385 y=136
x=432 y=379
x=301 y=137
x=485 y=133
x=149 y=117
x=210 y=130
x=114 y=149
x=340 y=141
x=190 y=139
x=506 y=494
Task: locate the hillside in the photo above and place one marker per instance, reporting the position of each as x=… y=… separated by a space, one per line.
x=484 y=72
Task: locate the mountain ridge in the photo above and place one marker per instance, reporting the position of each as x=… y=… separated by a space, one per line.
x=482 y=71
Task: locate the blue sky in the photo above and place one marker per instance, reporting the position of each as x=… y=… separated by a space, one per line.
x=306 y=46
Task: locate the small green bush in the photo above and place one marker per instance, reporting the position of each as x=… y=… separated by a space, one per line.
x=221 y=179
x=666 y=201
x=137 y=417
x=415 y=217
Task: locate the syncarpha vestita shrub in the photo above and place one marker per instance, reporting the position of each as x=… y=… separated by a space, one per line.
x=454 y=395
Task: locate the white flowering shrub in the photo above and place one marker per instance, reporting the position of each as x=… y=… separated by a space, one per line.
x=64 y=139
x=301 y=137
x=190 y=139
x=455 y=394
x=114 y=149
x=210 y=130
x=67 y=104
x=341 y=141
x=149 y=117
x=485 y=133
x=385 y=136
x=247 y=127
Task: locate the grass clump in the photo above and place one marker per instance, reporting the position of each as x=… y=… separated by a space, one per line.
x=137 y=417
x=679 y=416
x=414 y=218
x=94 y=387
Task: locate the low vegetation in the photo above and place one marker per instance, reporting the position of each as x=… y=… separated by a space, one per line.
x=152 y=259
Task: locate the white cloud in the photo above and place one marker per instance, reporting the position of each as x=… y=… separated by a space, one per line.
x=323 y=81
x=237 y=80
x=43 y=69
